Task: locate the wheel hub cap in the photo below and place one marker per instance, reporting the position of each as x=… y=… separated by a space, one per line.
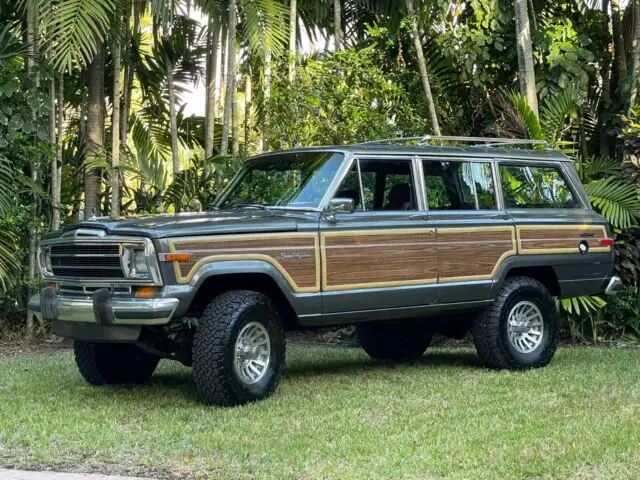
x=252 y=352
x=525 y=326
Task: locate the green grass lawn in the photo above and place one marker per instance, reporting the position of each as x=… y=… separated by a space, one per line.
x=337 y=414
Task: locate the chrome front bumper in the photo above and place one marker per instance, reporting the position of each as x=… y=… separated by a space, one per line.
x=614 y=285
x=105 y=311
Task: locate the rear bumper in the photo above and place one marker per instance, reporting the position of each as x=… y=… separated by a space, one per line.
x=103 y=309
x=615 y=284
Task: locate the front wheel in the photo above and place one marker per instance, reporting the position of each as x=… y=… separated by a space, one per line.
x=114 y=363
x=238 y=349
x=520 y=329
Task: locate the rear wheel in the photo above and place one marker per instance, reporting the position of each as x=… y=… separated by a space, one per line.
x=114 y=363
x=238 y=349
x=393 y=342
x=520 y=329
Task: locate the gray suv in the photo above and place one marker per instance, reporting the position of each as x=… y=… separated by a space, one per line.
x=402 y=240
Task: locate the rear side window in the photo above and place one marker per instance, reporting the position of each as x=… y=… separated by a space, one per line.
x=535 y=187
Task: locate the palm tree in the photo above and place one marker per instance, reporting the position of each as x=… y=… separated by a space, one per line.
x=115 y=124
x=526 y=73
x=293 y=26
x=337 y=25
x=231 y=74
x=94 y=136
x=422 y=65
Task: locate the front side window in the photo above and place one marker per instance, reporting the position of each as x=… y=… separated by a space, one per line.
x=297 y=180
x=386 y=185
x=535 y=187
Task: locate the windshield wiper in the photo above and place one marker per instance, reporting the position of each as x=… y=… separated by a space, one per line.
x=237 y=206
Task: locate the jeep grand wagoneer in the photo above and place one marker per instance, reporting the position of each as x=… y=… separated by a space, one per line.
x=402 y=240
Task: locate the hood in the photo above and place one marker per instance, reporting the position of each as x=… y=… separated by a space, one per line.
x=209 y=223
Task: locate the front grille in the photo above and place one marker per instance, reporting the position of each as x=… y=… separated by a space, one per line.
x=86 y=261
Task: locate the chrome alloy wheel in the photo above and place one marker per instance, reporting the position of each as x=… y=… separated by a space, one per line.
x=252 y=352
x=525 y=326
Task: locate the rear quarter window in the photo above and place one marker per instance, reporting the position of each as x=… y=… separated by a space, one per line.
x=534 y=186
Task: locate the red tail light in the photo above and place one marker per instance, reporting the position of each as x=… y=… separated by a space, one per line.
x=606 y=242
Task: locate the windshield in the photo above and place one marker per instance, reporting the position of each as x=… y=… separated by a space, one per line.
x=298 y=180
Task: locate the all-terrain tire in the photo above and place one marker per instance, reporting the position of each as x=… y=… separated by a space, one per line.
x=216 y=376
x=393 y=342
x=114 y=363
x=491 y=332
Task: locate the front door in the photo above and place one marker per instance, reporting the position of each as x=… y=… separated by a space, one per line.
x=383 y=255
x=475 y=236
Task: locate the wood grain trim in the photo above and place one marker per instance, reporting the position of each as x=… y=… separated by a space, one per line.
x=252 y=253
x=476 y=235
x=383 y=238
x=535 y=239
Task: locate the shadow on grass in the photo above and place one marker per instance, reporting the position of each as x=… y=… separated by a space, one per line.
x=168 y=384
x=453 y=359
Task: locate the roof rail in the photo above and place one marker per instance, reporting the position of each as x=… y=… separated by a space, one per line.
x=480 y=141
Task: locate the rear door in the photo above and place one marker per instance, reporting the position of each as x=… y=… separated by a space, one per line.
x=474 y=233
x=383 y=255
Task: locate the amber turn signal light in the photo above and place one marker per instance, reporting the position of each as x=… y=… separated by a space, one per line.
x=53 y=285
x=145 y=292
x=178 y=257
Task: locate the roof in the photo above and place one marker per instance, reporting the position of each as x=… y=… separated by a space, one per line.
x=478 y=151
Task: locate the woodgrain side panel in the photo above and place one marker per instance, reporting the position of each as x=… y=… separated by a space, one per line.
x=295 y=255
x=552 y=239
x=378 y=258
x=466 y=254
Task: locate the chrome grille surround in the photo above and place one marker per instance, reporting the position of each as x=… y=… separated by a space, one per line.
x=81 y=257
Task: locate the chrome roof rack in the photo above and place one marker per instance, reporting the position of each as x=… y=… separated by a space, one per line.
x=479 y=141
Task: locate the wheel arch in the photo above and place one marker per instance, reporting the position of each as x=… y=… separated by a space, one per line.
x=543 y=272
x=213 y=284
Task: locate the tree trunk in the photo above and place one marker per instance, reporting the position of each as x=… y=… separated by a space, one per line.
x=94 y=137
x=635 y=54
x=32 y=53
x=55 y=212
x=213 y=88
x=266 y=94
x=337 y=25
x=129 y=69
x=231 y=68
x=293 y=28
x=173 y=119
x=235 y=131
x=115 y=131
x=59 y=152
x=620 y=55
x=605 y=74
x=526 y=73
x=422 y=65
x=247 y=111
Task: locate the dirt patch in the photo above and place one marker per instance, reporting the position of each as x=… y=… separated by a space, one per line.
x=40 y=346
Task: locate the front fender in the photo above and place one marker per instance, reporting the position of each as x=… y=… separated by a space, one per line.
x=303 y=303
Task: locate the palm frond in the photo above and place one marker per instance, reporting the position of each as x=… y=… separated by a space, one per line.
x=75 y=29
x=617 y=201
x=264 y=24
x=582 y=305
x=6 y=185
x=557 y=112
x=528 y=116
x=596 y=167
x=10 y=45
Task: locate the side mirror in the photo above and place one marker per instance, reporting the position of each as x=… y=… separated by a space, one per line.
x=341 y=205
